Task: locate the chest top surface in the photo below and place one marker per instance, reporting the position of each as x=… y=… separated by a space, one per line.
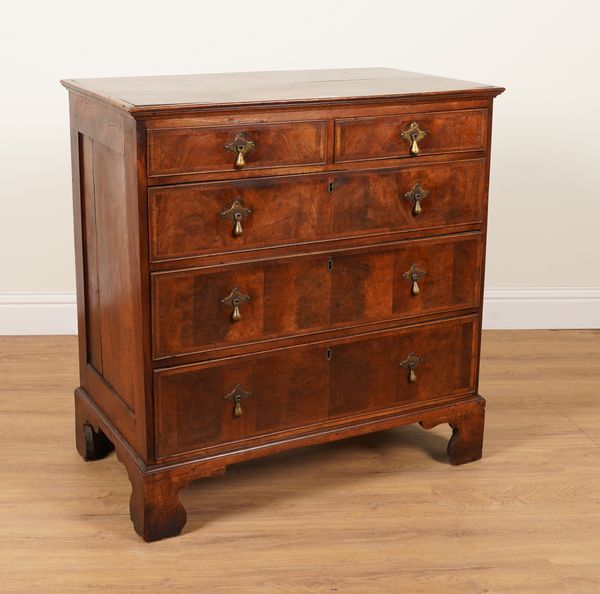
x=144 y=93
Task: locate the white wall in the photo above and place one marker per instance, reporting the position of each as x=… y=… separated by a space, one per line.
x=544 y=240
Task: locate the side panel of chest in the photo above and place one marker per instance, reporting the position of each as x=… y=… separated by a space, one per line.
x=111 y=267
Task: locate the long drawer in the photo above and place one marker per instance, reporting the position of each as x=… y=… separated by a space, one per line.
x=216 y=217
x=200 y=309
x=242 y=398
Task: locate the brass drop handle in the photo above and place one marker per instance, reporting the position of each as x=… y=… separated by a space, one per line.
x=235 y=299
x=413 y=276
x=410 y=363
x=416 y=195
x=412 y=377
x=237 y=411
x=236 y=396
x=414 y=146
x=237 y=228
x=240 y=163
x=236 y=316
x=413 y=134
x=240 y=146
x=237 y=212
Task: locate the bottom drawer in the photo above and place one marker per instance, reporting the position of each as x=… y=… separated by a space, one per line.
x=211 y=405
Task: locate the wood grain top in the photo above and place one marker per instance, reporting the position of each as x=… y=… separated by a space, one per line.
x=162 y=93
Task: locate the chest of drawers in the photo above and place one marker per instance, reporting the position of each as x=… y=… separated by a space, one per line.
x=272 y=260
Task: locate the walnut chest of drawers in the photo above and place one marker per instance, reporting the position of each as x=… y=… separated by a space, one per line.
x=272 y=260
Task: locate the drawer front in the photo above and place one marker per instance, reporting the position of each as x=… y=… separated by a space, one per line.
x=194 y=310
x=383 y=137
x=198 y=219
x=241 y=398
x=174 y=151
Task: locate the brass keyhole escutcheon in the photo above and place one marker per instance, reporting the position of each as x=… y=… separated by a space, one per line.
x=411 y=363
x=236 y=396
x=235 y=299
x=416 y=195
x=240 y=146
x=237 y=212
x=413 y=134
x=413 y=276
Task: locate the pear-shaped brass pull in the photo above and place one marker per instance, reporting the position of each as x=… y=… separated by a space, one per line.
x=237 y=411
x=410 y=363
x=237 y=212
x=416 y=195
x=413 y=276
x=236 y=316
x=236 y=396
x=240 y=146
x=413 y=134
x=414 y=146
x=235 y=299
x=237 y=228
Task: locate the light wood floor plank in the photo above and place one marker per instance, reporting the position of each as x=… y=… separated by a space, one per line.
x=383 y=513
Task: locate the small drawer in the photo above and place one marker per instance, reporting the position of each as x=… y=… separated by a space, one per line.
x=200 y=309
x=406 y=135
x=217 y=217
x=173 y=151
x=240 y=399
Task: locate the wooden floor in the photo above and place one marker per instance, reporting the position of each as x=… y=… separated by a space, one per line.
x=382 y=513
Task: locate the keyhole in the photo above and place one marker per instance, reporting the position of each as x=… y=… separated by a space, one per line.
x=329 y=264
x=328 y=354
x=331 y=187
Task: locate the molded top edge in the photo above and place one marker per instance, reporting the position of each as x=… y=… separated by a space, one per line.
x=146 y=94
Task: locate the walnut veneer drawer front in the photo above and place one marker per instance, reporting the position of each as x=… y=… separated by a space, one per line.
x=218 y=217
x=219 y=148
x=410 y=135
x=196 y=310
x=239 y=398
